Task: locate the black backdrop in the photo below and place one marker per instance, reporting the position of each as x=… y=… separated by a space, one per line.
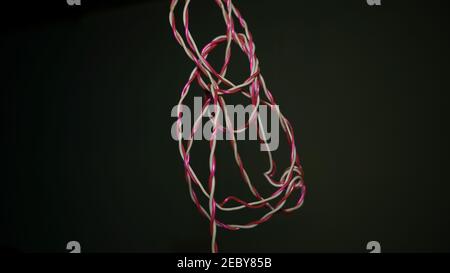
x=86 y=98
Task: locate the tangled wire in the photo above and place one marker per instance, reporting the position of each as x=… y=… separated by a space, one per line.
x=216 y=86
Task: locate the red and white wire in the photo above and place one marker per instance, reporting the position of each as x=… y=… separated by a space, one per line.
x=216 y=87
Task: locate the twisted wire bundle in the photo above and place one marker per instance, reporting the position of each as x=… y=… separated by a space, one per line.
x=216 y=87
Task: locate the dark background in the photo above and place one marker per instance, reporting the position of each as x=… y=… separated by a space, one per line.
x=86 y=99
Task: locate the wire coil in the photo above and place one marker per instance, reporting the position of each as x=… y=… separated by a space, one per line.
x=217 y=87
